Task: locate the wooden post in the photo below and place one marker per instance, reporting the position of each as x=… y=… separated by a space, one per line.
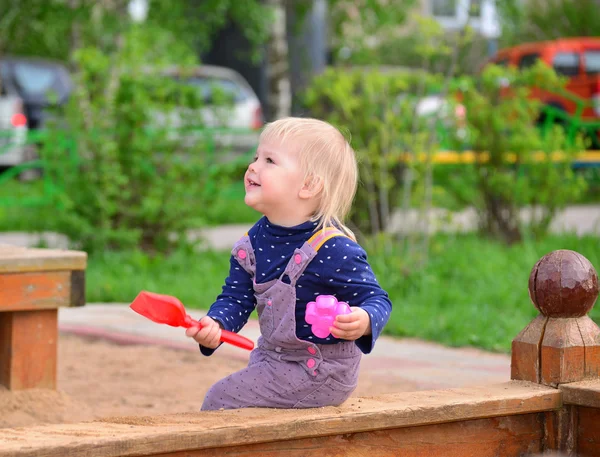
x=34 y=283
x=562 y=344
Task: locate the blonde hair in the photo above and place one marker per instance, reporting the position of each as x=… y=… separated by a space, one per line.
x=323 y=153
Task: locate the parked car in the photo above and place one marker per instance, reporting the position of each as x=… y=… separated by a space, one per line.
x=578 y=59
x=29 y=87
x=13 y=130
x=236 y=125
x=40 y=84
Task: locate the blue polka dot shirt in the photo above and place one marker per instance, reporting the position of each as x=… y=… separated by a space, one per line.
x=340 y=268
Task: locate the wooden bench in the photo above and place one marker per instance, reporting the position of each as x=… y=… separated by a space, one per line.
x=34 y=283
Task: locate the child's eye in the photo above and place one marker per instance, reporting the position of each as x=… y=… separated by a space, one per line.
x=254 y=159
x=269 y=160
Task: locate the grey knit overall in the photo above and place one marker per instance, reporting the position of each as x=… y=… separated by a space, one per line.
x=283 y=371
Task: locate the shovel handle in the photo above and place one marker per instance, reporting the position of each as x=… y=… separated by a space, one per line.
x=237 y=340
x=226 y=336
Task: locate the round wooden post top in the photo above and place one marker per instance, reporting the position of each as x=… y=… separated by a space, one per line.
x=563 y=283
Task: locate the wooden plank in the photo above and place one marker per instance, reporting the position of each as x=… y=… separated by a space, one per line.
x=588 y=432
x=14 y=259
x=499 y=437
x=525 y=353
x=590 y=333
x=551 y=427
x=31 y=291
x=565 y=430
x=28 y=342
x=583 y=393
x=177 y=433
x=562 y=352
x=77 y=288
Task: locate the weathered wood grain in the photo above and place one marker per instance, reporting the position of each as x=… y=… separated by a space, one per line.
x=560 y=430
x=588 y=432
x=498 y=437
x=525 y=354
x=562 y=352
x=15 y=259
x=31 y=291
x=584 y=393
x=136 y=436
x=28 y=347
x=590 y=333
x=34 y=283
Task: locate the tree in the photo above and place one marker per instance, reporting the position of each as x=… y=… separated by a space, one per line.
x=136 y=180
x=279 y=96
x=359 y=26
x=537 y=20
x=39 y=27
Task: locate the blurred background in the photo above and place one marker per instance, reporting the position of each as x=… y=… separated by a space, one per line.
x=126 y=127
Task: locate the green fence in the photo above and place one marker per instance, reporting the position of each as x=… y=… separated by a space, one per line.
x=226 y=145
x=16 y=193
x=574 y=124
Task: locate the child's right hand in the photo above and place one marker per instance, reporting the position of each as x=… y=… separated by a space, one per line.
x=209 y=335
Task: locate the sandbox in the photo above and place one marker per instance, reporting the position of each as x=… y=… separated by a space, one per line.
x=551 y=403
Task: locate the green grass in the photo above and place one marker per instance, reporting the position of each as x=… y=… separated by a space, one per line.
x=17 y=217
x=472 y=292
x=195 y=278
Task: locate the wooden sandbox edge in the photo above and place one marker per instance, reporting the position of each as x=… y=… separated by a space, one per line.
x=138 y=436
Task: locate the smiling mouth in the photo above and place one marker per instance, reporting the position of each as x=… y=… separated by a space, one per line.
x=253 y=183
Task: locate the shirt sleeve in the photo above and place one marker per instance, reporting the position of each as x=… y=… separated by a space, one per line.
x=351 y=279
x=235 y=303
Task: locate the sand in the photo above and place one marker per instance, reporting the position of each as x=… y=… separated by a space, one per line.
x=99 y=379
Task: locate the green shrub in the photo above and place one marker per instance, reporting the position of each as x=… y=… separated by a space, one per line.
x=378 y=111
x=516 y=164
x=136 y=164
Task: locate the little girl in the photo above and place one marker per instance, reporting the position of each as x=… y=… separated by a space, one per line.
x=303 y=180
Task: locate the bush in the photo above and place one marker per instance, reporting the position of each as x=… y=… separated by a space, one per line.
x=136 y=165
x=516 y=165
x=377 y=110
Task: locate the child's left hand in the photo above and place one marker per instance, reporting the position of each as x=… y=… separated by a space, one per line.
x=351 y=326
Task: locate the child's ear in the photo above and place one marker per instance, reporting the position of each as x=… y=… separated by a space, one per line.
x=313 y=185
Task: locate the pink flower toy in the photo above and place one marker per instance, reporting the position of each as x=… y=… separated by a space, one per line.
x=322 y=312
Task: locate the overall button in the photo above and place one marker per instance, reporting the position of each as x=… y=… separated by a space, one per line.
x=311 y=363
x=312 y=350
x=241 y=254
x=269 y=303
x=297 y=259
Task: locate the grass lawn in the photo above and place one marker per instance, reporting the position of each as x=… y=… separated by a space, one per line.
x=473 y=291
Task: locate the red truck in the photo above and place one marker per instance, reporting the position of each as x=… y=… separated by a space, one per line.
x=578 y=59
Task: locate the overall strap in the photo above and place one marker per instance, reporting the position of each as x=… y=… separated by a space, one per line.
x=243 y=252
x=304 y=255
x=324 y=235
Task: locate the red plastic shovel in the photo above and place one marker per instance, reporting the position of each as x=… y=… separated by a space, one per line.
x=166 y=309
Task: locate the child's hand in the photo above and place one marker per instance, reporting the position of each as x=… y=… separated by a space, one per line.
x=209 y=335
x=352 y=326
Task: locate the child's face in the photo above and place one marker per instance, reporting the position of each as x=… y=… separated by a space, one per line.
x=274 y=181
